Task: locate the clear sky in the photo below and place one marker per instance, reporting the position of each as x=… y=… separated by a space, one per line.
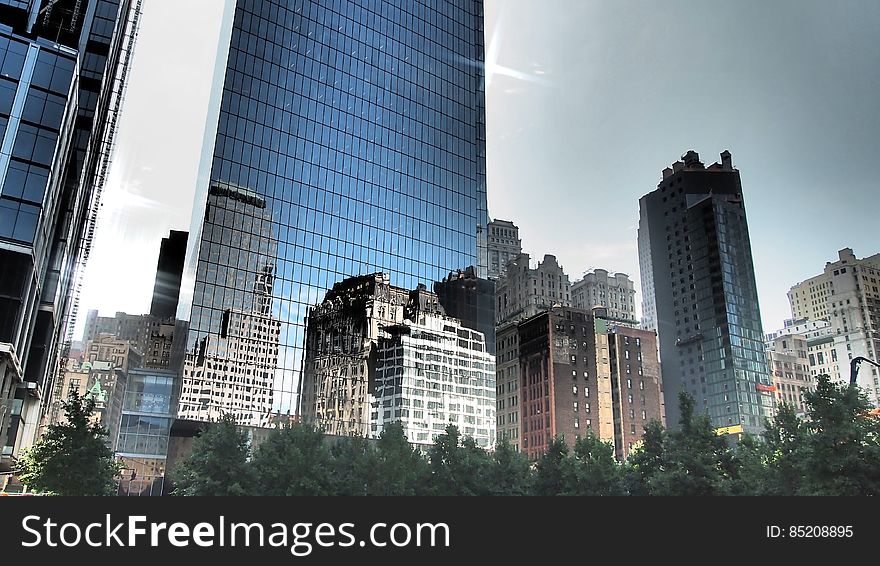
x=587 y=102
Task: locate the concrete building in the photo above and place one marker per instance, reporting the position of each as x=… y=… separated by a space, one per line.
x=847 y=296
x=787 y=356
x=151 y=335
x=615 y=293
x=699 y=294
x=526 y=291
x=821 y=355
x=521 y=294
x=504 y=245
x=102 y=373
x=581 y=371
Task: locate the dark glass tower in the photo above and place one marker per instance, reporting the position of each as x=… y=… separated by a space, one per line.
x=698 y=282
x=350 y=140
x=63 y=68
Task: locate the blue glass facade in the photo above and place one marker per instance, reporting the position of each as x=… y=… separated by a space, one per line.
x=360 y=126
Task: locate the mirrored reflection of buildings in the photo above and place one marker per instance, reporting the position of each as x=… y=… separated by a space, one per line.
x=233 y=347
x=366 y=156
x=376 y=353
x=62 y=74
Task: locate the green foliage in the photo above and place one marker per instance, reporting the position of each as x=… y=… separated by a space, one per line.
x=294 y=460
x=842 y=449
x=510 y=473
x=400 y=469
x=648 y=460
x=697 y=461
x=353 y=470
x=835 y=451
x=73 y=457
x=596 y=472
x=218 y=463
x=459 y=467
x=555 y=470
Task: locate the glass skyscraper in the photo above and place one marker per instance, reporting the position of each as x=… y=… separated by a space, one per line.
x=698 y=281
x=350 y=139
x=63 y=66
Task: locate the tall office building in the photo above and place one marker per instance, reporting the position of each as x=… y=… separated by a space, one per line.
x=352 y=135
x=615 y=293
x=700 y=296
x=504 y=245
x=847 y=296
x=64 y=64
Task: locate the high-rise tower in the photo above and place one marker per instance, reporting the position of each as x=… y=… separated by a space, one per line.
x=351 y=138
x=698 y=284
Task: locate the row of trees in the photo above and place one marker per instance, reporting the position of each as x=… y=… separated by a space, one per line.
x=834 y=451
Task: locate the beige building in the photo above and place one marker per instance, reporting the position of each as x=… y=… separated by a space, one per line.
x=847 y=296
x=787 y=356
x=615 y=293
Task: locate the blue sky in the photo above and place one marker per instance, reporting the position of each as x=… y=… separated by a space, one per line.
x=587 y=102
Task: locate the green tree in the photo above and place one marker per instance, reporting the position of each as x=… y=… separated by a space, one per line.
x=400 y=469
x=218 y=463
x=554 y=472
x=785 y=446
x=698 y=460
x=354 y=466
x=843 y=447
x=73 y=457
x=459 y=466
x=749 y=472
x=648 y=460
x=596 y=471
x=510 y=473
x=293 y=460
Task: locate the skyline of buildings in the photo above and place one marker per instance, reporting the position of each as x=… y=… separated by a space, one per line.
x=346 y=151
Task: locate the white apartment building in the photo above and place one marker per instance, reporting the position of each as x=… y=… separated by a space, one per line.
x=847 y=296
